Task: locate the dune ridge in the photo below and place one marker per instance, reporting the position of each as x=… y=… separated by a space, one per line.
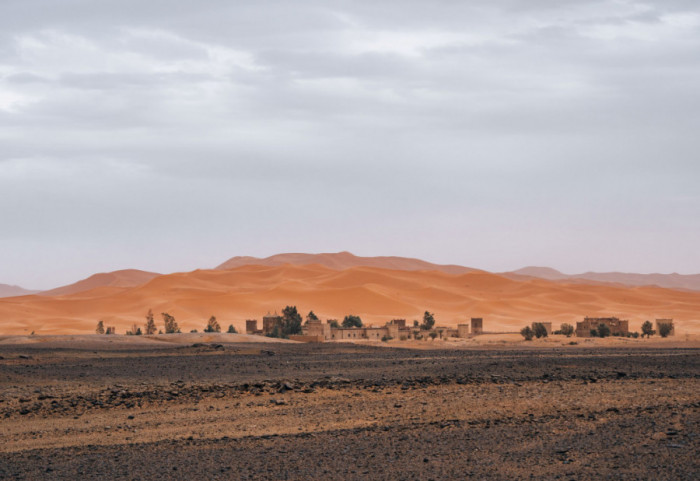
x=121 y=278
x=7 y=290
x=344 y=260
x=376 y=294
x=670 y=281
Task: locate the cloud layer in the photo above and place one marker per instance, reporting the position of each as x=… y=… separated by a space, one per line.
x=171 y=135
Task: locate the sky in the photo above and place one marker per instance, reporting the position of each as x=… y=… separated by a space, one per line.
x=170 y=135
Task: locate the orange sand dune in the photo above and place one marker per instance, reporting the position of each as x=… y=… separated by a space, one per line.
x=377 y=295
x=123 y=278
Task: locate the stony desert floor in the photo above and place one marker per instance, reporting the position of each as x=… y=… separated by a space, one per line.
x=342 y=411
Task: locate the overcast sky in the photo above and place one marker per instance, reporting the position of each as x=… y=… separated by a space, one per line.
x=171 y=135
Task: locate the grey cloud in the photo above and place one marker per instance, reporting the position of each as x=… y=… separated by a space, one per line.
x=361 y=120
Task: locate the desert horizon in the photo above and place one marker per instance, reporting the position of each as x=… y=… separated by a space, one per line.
x=333 y=285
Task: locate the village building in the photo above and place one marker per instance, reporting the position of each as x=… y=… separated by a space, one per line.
x=618 y=327
x=270 y=321
x=477 y=326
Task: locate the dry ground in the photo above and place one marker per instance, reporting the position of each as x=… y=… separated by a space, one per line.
x=339 y=411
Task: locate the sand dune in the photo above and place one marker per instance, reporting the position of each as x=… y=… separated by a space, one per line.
x=344 y=260
x=12 y=291
x=377 y=295
x=123 y=278
x=671 y=281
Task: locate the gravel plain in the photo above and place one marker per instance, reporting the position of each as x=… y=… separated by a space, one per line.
x=343 y=411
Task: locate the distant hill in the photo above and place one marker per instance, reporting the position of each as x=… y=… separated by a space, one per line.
x=345 y=260
x=123 y=278
x=12 y=291
x=670 y=281
x=376 y=295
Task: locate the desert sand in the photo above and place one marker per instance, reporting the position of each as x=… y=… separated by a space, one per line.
x=376 y=294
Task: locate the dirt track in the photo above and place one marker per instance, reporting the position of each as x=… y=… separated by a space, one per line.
x=329 y=411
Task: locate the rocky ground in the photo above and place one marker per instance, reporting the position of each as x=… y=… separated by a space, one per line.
x=334 y=411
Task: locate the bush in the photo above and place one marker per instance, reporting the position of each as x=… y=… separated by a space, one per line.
x=135 y=330
x=665 y=329
x=428 y=321
x=386 y=338
x=171 y=326
x=567 y=329
x=194 y=331
x=403 y=338
x=231 y=329
x=539 y=330
x=527 y=333
x=648 y=329
x=150 y=323
x=212 y=325
x=603 y=330
x=352 y=321
x=433 y=335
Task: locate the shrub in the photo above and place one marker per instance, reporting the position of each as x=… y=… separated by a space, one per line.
x=150 y=323
x=291 y=320
x=403 y=337
x=428 y=321
x=527 y=333
x=193 y=331
x=539 y=330
x=648 y=329
x=603 y=330
x=171 y=326
x=386 y=338
x=665 y=329
x=352 y=321
x=134 y=331
x=567 y=329
x=212 y=325
x=433 y=335
x=231 y=329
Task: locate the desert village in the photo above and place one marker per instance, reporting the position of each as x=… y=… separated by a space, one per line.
x=315 y=330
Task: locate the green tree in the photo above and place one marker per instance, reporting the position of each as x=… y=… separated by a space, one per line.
x=665 y=328
x=567 y=329
x=231 y=329
x=212 y=325
x=100 y=329
x=428 y=321
x=527 y=333
x=171 y=326
x=539 y=330
x=311 y=316
x=334 y=323
x=291 y=320
x=150 y=323
x=352 y=321
x=648 y=329
x=433 y=335
x=603 y=330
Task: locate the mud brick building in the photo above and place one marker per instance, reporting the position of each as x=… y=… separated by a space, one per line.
x=477 y=326
x=618 y=327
